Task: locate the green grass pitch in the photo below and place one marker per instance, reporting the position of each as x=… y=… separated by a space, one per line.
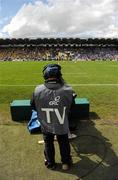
x=97 y=81
x=94 y=151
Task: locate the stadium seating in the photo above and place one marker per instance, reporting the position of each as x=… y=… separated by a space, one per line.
x=87 y=53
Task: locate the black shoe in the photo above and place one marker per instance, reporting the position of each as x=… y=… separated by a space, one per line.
x=50 y=165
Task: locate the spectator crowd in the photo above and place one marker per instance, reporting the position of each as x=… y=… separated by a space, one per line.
x=36 y=53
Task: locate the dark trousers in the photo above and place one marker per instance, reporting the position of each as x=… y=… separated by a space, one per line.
x=64 y=148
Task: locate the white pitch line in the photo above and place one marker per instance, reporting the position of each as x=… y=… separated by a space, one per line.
x=29 y=85
x=76 y=73
x=17 y=85
x=94 y=84
x=65 y=73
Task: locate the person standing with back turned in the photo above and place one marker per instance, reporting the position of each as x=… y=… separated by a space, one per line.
x=52 y=101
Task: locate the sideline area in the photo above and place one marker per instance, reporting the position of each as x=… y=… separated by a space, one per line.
x=94 y=153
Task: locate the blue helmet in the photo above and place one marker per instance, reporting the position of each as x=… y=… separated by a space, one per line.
x=52 y=71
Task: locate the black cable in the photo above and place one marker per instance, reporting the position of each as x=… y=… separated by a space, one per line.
x=104 y=155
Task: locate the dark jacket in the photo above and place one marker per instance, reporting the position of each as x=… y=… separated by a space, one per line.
x=53 y=102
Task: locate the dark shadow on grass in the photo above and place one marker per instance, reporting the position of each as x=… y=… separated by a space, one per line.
x=93 y=116
x=73 y=123
x=96 y=158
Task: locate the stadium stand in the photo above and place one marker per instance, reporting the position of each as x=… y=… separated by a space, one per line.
x=58 y=49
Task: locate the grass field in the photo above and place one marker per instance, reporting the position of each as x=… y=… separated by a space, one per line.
x=98 y=81
x=94 y=152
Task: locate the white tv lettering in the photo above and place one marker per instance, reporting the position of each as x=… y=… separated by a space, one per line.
x=47 y=110
x=59 y=117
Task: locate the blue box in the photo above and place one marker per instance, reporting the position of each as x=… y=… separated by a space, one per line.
x=20 y=110
x=79 y=112
x=81 y=109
